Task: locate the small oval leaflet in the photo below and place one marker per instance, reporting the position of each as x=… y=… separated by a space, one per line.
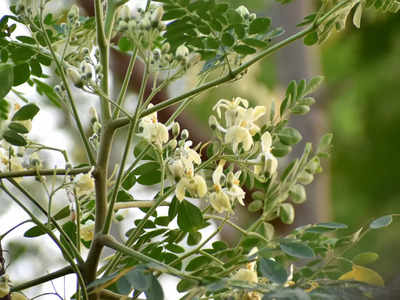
x=381 y=222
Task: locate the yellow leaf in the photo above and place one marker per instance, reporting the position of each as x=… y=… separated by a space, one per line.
x=363 y=274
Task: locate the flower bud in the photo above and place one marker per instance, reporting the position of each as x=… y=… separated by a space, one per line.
x=86 y=69
x=298 y=194
x=243 y=11
x=256 y=205
x=172 y=144
x=145 y=24
x=286 y=213
x=75 y=77
x=93 y=114
x=252 y=16
x=181 y=52
x=176 y=128
x=305 y=178
x=156 y=16
x=85 y=51
x=125 y=13
x=313 y=165
x=156 y=54
x=184 y=134
x=212 y=122
x=123 y=26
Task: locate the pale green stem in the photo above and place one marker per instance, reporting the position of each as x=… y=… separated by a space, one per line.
x=44 y=172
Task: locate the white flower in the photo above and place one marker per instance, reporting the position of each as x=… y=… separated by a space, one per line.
x=235 y=192
x=243 y=11
x=182 y=52
x=238 y=135
x=87 y=231
x=195 y=185
x=154 y=132
x=84 y=184
x=220 y=201
x=269 y=160
x=233 y=109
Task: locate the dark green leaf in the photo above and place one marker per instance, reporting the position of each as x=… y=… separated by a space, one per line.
x=36 y=69
x=174 y=14
x=18 y=127
x=281 y=150
x=259 y=25
x=21 y=74
x=185 y=285
x=194 y=238
x=173 y=208
x=26 y=39
x=129 y=181
x=162 y=221
x=150 y=178
x=381 y=222
x=174 y=248
x=227 y=39
x=311 y=39
x=146 y=168
x=297 y=249
x=198 y=262
x=6 y=79
x=272 y=270
x=244 y=50
x=14 y=138
x=219 y=245
x=233 y=16
x=190 y=218
x=124 y=196
x=255 y=43
x=62 y=213
x=34 y=232
x=26 y=112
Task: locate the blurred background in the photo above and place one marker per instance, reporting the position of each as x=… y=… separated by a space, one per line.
x=359 y=102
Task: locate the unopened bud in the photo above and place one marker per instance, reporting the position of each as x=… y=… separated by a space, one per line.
x=145 y=24
x=182 y=52
x=286 y=213
x=132 y=25
x=243 y=11
x=165 y=48
x=93 y=114
x=157 y=54
x=75 y=77
x=176 y=128
x=85 y=51
x=86 y=69
x=172 y=144
x=298 y=194
x=125 y=13
x=212 y=122
x=156 y=16
x=184 y=134
x=305 y=178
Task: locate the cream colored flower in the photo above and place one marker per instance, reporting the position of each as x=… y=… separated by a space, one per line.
x=195 y=185
x=246 y=275
x=220 y=202
x=154 y=132
x=182 y=164
x=238 y=135
x=84 y=184
x=234 y=190
x=87 y=231
x=269 y=161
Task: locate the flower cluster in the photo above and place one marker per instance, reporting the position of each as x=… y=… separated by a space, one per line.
x=226 y=190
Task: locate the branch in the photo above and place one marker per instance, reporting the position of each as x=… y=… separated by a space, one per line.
x=44 y=172
x=45 y=278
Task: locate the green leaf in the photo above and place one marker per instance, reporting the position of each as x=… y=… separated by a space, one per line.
x=174 y=248
x=244 y=50
x=14 y=138
x=26 y=112
x=62 y=213
x=190 y=218
x=281 y=150
x=155 y=292
x=289 y=136
x=124 y=196
x=173 y=208
x=18 y=127
x=125 y=44
x=288 y=293
x=6 y=79
x=227 y=39
x=259 y=25
x=185 y=285
x=313 y=84
x=365 y=258
x=34 y=232
x=381 y=222
x=194 y=238
x=272 y=270
x=324 y=145
x=21 y=74
x=297 y=249
x=26 y=40
x=233 y=16
x=255 y=43
x=146 y=168
x=129 y=181
x=150 y=178
x=333 y=225
x=44 y=88
x=139 y=278
x=174 y=14
x=286 y=213
x=311 y=39
x=198 y=262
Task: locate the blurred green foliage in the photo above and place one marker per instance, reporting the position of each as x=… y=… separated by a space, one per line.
x=362 y=70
